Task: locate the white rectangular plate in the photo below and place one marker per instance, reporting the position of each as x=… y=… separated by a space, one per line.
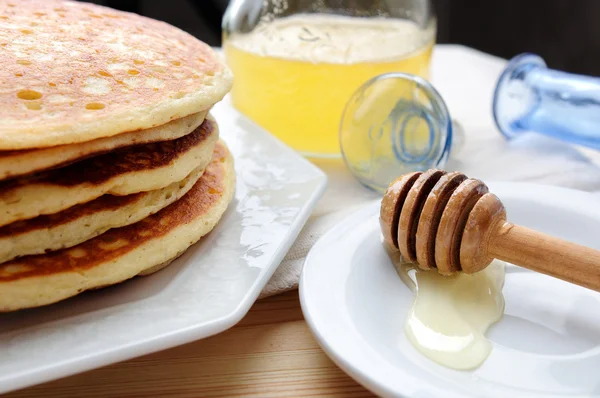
x=204 y=292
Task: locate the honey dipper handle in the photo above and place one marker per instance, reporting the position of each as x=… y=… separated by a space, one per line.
x=546 y=254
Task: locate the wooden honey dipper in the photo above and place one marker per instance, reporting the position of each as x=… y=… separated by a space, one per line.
x=451 y=223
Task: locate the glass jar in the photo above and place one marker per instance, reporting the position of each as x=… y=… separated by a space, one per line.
x=297 y=63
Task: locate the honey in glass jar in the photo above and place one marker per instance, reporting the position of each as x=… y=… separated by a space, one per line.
x=297 y=63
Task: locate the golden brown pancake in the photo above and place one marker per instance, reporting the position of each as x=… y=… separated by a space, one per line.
x=73 y=72
x=131 y=170
x=122 y=253
x=82 y=222
x=29 y=161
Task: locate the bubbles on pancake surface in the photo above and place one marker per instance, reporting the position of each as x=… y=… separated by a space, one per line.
x=29 y=95
x=33 y=106
x=94 y=106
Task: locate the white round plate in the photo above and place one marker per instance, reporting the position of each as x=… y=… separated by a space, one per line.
x=546 y=345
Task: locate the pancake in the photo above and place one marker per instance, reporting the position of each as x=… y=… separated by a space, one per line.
x=73 y=72
x=131 y=170
x=29 y=161
x=122 y=253
x=85 y=221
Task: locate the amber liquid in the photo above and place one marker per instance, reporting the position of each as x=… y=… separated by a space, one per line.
x=294 y=76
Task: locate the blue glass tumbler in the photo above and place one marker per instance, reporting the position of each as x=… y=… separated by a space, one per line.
x=393 y=124
x=530 y=97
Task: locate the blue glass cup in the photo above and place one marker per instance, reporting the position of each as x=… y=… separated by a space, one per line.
x=530 y=97
x=393 y=124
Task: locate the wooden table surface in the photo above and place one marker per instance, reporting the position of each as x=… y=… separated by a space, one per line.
x=270 y=353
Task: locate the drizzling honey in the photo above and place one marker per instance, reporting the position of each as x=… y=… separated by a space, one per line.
x=450 y=315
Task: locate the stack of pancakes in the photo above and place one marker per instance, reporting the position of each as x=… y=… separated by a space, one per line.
x=110 y=164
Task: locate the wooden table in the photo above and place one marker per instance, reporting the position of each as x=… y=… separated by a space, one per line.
x=270 y=353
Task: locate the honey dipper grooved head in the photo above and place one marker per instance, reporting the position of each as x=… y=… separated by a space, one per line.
x=441 y=220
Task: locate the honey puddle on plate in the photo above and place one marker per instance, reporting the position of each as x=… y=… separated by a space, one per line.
x=450 y=315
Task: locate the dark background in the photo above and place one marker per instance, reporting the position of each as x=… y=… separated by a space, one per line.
x=566 y=33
